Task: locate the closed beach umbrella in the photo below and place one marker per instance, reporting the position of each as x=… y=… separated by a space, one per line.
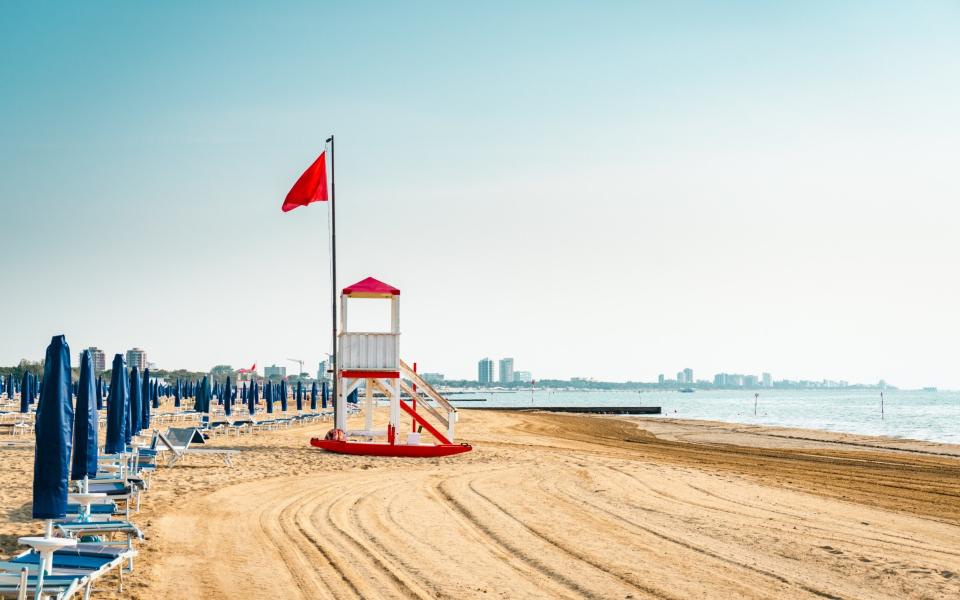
x=227 y=409
x=117 y=408
x=100 y=393
x=10 y=390
x=145 y=403
x=252 y=400
x=268 y=396
x=313 y=396
x=156 y=393
x=134 y=403
x=354 y=397
x=25 y=388
x=176 y=394
x=299 y=396
x=24 y=403
x=324 y=394
x=85 y=423
x=283 y=396
x=51 y=465
x=207 y=393
x=200 y=404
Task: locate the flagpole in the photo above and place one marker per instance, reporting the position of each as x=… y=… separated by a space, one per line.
x=333 y=277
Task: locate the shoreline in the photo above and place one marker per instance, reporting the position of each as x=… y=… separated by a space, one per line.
x=728 y=432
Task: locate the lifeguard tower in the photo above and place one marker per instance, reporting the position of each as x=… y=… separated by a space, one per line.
x=372 y=360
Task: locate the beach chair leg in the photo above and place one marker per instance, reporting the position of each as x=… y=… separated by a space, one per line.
x=22 y=589
x=88 y=590
x=120 y=578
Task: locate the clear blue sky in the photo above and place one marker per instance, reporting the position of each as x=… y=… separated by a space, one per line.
x=596 y=189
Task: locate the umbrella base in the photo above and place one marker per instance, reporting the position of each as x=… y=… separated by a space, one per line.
x=373 y=449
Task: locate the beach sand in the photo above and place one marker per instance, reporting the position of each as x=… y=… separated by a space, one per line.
x=548 y=506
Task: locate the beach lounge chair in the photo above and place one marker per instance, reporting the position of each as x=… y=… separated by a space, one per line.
x=180 y=441
x=101 y=528
x=74 y=568
x=23 y=585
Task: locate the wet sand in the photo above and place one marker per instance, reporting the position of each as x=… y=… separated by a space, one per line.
x=548 y=505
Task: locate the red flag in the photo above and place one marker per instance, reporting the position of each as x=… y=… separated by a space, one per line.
x=311 y=187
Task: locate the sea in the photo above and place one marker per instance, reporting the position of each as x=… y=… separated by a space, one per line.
x=918 y=415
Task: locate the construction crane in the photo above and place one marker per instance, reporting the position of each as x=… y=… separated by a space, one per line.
x=299 y=362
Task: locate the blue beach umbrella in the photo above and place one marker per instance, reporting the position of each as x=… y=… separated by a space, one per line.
x=54 y=431
x=156 y=393
x=24 y=403
x=10 y=390
x=299 y=396
x=134 y=403
x=268 y=396
x=100 y=393
x=252 y=400
x=227 y=409
x=354 y=397
x=201 y=388
x=313 y=396
x=54 y=434
x=117 y=408
x=145 y=400
x=25 y=388
x=325 y=393
x=85 y=423
x=207 y=393
x=283 y=396
x=176 y=394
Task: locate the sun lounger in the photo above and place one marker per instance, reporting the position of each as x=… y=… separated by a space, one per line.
x=97 y=510
x=73 y=569
x=179 y=441
x=24 y=585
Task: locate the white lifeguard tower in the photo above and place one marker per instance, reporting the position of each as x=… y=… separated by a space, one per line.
x=372 y=359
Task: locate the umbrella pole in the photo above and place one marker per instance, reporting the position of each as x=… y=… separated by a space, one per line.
x=48 y=533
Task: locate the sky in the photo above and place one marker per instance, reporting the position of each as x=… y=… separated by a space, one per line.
x=597 y=189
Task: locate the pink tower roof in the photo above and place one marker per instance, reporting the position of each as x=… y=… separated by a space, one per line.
x=371 y=288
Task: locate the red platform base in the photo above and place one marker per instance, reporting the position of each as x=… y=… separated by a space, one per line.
x=373 y=449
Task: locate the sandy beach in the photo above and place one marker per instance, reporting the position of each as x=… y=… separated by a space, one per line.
x=548 y=505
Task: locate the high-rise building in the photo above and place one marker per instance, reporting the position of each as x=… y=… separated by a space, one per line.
x=136 y=357
x=522 y=377
x=750 y=381
x=680 y=378
x=688 y=375
x=485 y=371
x=767 y=380
x=433 y=378
x=322 y=374
x=506 y=370
x=660 y=379
x=274 y=371
x=99 y=359
x=720 y=379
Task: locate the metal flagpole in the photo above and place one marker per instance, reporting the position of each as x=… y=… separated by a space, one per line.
x=333 y=284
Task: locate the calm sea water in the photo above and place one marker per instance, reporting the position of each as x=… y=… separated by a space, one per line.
x=931 y=416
